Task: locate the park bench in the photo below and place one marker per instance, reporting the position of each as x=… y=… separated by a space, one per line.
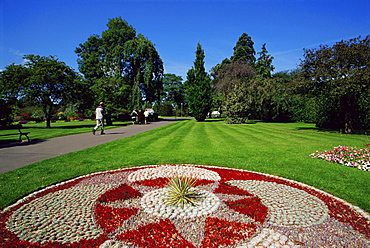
x=20 y=133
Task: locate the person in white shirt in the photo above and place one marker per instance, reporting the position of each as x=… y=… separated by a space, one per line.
x=99 y=116
x=146 y=116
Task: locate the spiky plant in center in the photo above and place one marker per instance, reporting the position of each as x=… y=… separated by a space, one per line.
x=181 y=192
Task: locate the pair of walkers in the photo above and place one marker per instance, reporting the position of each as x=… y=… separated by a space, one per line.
x=135 y=116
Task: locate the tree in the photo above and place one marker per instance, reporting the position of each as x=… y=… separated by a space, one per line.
x=173 y=90
x=339 y=77
x=233 y=81
x=264 y=65
x=244 y=50
x=144 y=68
x=287 y=100
x=43 y=81
x=123 y=68
x=198 y=87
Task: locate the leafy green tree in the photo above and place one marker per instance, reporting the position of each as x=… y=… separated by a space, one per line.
x=144 y=68
x=123 y=68
x=244 y=50
x=264 y=65
x=339 y=77
x=236 y=107
x=232 y=80
x=276 y=99
x=291 y=101
x=90 y=58
x=198 y=87
x=43 y=81
x=173 y=90
x=12 y=85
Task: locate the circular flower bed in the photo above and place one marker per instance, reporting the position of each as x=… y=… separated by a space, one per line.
x=238 y=208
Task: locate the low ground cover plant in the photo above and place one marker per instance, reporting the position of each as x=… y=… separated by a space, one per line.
x=348 y=156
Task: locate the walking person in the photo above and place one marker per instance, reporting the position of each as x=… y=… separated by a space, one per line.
x=140 y=117
x=99 y=116
x=133 y=116
x=146 y=115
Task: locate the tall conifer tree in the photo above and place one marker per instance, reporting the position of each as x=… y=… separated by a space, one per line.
x=244 y=50
x=264 y=65
x=198 y=87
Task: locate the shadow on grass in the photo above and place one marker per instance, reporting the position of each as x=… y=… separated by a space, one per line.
x=174 y=119
x=341 y=131
x=328 y=130
x=214 y=120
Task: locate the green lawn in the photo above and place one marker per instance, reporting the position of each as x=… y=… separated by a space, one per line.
x=39 y=132
x=275 y=148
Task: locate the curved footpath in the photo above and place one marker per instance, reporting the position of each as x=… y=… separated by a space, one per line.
x=16 y=156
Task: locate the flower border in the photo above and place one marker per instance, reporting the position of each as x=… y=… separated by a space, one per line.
x=359 y=223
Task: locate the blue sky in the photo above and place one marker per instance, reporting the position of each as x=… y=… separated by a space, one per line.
x=57 y=27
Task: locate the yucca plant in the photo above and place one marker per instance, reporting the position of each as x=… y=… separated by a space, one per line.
x=181 y=192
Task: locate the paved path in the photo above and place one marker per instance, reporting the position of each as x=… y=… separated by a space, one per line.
x=17 y=156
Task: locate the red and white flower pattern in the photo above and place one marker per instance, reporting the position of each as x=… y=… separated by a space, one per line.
x=124 y=208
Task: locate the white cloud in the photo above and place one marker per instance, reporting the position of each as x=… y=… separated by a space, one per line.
x=16 y=52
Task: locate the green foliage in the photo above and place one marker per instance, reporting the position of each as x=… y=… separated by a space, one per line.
x=244 y=50
x=71 y=110
x=264 y=65
x=145 y=67
x=123 y=67
x=164 y=109
x=181 y=192
x=173 y=90
x=235 y=107
x=43 y=81
x=277 y=97
x=233 y=81
x=12 y=86
x=243 y=82
x=304 y=109
x=339 y=77
x=198 y=87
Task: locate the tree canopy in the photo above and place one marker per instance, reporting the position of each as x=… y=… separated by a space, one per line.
x=241 y=79
x=232 y=80
x=339 y=77
x=173 y=90
x=42 y=81
x=264 y=65
x=123 y=68
x=244 y=50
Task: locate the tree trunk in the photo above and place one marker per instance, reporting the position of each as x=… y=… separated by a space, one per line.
x=47 y=111
x=348 y=117
x=348 y=122
x=109 y=121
